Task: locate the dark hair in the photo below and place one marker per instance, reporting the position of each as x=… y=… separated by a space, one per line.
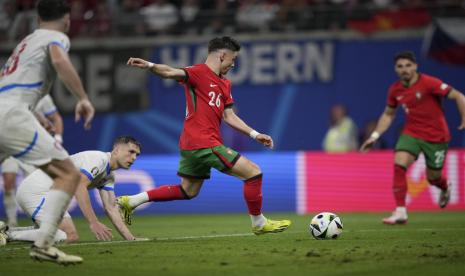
x=50 y=10
x=125 y=139
x=405 y=55
x=224 y=42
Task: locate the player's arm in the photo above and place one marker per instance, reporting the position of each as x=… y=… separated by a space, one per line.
x=383 y=124
x=67 y=73
x=162 y=70
x=109 y=204
x=101 y=231
x=231 y=118
x=45 y=122
x=459 y=98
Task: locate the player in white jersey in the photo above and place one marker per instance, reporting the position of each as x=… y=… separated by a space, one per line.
x=96 y=172
x=26 y=77
x=11 y=167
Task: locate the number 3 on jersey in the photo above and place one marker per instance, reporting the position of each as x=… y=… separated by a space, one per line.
x=214 y=102
x=12 y=63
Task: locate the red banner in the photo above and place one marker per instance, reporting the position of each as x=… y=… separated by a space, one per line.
x=363 y=182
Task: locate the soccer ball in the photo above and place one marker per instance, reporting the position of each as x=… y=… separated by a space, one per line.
x=326 y=226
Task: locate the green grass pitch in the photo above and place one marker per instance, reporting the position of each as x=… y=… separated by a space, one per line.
x=430 y=244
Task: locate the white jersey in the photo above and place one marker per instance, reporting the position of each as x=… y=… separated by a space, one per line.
x=29 y=74
x=96 y=166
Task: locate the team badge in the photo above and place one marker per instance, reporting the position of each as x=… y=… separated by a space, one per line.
x=94 y=171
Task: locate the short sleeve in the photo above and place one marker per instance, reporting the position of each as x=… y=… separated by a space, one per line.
x=46 y=106
x=391 y=99
x=438 y=87
x=109 y=184
x=95 y=164
x=193 y=75
x=61 y=40
x=229 y=101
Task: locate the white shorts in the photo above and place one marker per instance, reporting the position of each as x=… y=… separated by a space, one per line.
x=12 y=165
x=31 y=193
x=22 y=137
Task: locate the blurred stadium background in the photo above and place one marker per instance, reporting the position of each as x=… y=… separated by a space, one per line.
x=299 y=58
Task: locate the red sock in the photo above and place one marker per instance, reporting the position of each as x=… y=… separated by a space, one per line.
x=441 y=183
x=167 y=193
x=400 y=185
x=253 y=194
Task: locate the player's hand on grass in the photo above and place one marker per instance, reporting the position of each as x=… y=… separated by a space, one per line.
x=101 y=231
x=84 y=109
x=138 y=62
x=265 y=140
x=368 y=145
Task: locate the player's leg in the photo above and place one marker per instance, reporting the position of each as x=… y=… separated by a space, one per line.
x=31 y=197
x=233 y=163
x=192 y=171
x=407 y=151
x=10 y=169
x=435 y=155
x=25 y=139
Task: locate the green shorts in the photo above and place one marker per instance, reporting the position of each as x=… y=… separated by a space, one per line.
x=435 y=153
x=197 y=163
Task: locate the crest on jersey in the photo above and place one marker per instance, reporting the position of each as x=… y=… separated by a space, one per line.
x=94 y=171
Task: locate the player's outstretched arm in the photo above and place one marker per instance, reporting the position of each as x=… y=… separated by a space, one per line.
x=231 y=118
x=459 y=98
x=109 y=204
x=67 y=73
x=100 y=230
x=162 y=70
x=383 y=124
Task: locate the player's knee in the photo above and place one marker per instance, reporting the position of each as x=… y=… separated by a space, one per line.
x=190 y=194
x=72 y=237
x=255 y=169
x=60 y=236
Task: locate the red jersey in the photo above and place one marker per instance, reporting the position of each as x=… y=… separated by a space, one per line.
x=422 y=103
x=207 y=95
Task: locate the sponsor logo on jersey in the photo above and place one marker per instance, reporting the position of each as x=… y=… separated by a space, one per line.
x=399 y=98
x=418 y=95
x=213 y=85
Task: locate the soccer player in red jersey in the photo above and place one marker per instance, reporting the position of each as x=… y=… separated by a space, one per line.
x=425 y=129
x=208 y=101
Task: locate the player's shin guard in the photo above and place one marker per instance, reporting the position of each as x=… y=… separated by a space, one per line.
x=400 y=185
x=253 y=194
x=167 y=193
x=55 y=204
x=441 y=182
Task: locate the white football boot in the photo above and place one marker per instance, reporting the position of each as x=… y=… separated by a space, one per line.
x=399 y=216
x=53 y=254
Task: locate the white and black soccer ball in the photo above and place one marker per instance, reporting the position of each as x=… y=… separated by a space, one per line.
x=325 y=226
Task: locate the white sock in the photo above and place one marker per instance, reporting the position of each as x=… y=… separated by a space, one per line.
x=55 y=204
x=10 y=208
x=258 y=221
x=401 y=210
x=32 y=235
x=136 y=200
